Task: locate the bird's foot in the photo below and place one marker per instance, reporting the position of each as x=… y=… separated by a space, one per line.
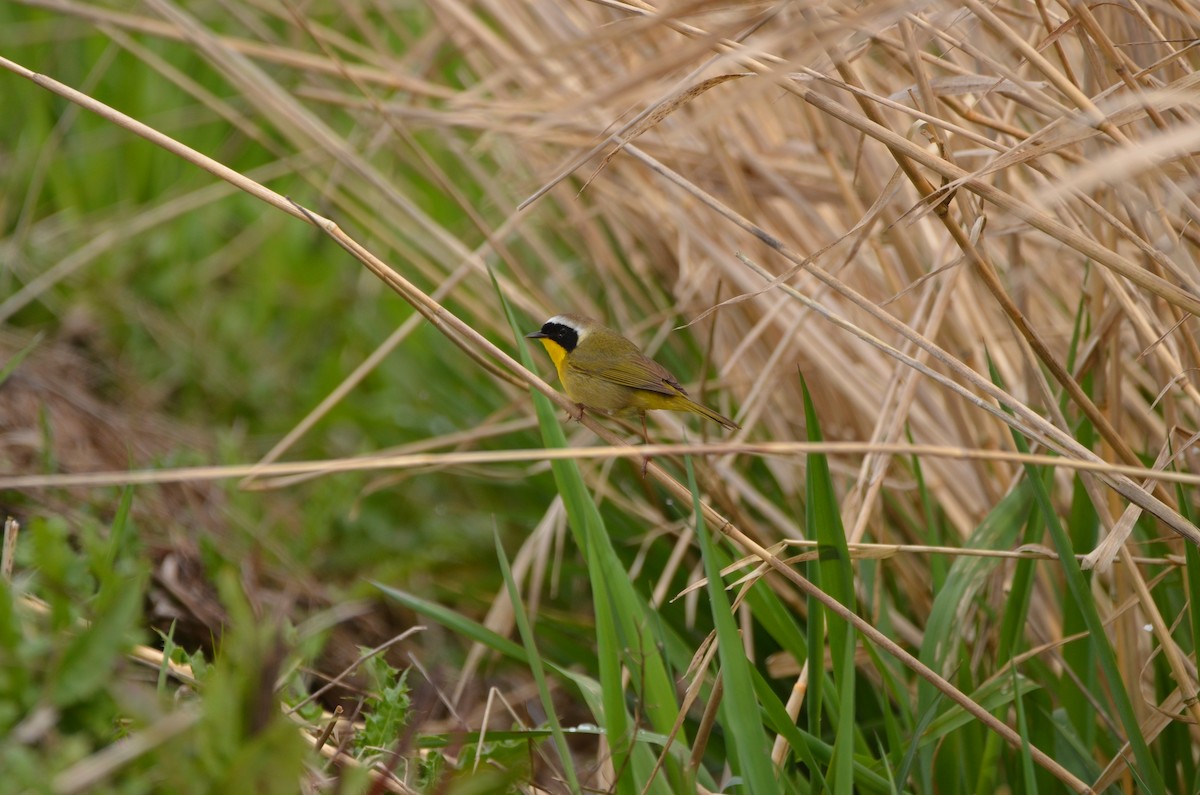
x=646 y=436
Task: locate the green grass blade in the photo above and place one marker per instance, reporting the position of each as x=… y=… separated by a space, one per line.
x=616 y=721
x=121 y=534
x=744 y=727
x=1081 y=595
x=811 y=750
x=1080 y=656
x=942 y=641
x=998 y=530
x=893 y=698
x=455 y=622
x=1028 y=774
x=94 y=653
x=461 y=625
x=1012 y=629
x=168 y=644
x=837 y=579
x=537 y=669
x=1186 y=770
x=1191 y=573
x=993 y=695
x=932 y=524
x=914 y=748
x=15 y=360
x=815 y=640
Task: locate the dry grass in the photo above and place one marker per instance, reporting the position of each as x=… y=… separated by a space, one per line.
x=883 y=197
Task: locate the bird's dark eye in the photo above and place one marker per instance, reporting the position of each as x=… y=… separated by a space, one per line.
x=563 y=334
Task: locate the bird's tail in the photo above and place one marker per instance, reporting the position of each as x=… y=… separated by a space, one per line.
x=712 y=415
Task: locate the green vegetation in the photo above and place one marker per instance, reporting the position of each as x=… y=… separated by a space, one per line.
x=992 y=296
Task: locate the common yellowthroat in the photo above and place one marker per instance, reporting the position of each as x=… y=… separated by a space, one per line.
x=603 y=371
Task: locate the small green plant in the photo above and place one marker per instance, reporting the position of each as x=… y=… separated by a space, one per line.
x=388 y=707
x=67 y=619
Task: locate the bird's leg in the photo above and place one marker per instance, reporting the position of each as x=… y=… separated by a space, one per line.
x=577 y=417
x=646 y=436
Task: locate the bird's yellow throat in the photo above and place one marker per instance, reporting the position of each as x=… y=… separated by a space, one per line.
x=557 y=353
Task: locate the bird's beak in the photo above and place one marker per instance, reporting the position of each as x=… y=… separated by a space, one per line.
x=535 y=335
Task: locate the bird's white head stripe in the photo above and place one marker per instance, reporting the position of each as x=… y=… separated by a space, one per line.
x=571 y=323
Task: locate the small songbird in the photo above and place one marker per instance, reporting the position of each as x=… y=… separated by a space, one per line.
x=603 y=371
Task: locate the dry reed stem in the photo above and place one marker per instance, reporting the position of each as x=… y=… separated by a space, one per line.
x=476 y=457
x=8 y=548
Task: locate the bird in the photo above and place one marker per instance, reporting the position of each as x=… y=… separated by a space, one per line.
x=602 y=370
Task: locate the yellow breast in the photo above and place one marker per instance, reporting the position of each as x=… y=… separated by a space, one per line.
x=558 y=354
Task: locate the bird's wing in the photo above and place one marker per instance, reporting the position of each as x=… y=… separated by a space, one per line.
x=629 y=368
